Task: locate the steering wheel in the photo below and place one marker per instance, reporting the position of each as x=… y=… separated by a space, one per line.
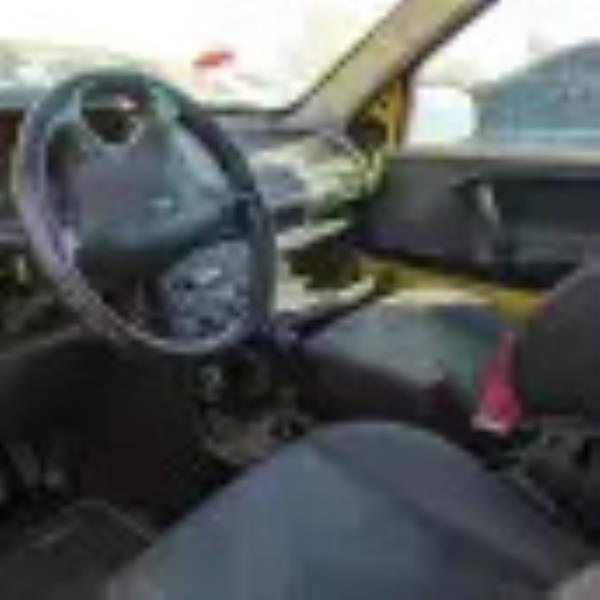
x=153 y=232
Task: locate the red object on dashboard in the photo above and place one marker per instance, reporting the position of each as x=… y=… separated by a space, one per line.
x=213 y=59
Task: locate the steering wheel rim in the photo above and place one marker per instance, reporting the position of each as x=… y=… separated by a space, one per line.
x=45 y=230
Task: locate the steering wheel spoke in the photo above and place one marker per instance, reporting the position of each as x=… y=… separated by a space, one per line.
x=132 y=300
x=163 y=107
x=70 y=121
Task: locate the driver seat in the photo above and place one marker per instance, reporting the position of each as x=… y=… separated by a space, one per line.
x=362 y=511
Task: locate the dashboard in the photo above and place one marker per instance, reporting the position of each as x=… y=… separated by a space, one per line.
x=307 y=177
x=308 y=181
x=521 y=219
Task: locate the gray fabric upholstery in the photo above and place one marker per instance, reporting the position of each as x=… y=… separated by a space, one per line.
x=400 y=360
x=427 y=362
x=363 y=511
x=558 y=358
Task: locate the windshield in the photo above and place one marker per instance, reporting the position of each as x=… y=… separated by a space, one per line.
x=259 y=53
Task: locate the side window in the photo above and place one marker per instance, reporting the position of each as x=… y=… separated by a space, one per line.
x=524 y=75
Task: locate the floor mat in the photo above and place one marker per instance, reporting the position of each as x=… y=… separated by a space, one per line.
x=70 y=556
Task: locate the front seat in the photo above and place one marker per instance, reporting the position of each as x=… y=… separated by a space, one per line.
x=424 y=357
x=360 y=511
x=419 y=356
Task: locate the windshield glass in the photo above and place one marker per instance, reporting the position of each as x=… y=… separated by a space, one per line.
x=258 y=53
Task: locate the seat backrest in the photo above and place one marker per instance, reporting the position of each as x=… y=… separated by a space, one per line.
x=558 y=355
x=584 y=585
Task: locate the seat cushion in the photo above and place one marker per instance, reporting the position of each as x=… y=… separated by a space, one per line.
x=417 y=356
x=361 y=511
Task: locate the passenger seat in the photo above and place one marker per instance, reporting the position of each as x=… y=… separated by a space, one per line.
x=419 y=355
x=424 y=356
